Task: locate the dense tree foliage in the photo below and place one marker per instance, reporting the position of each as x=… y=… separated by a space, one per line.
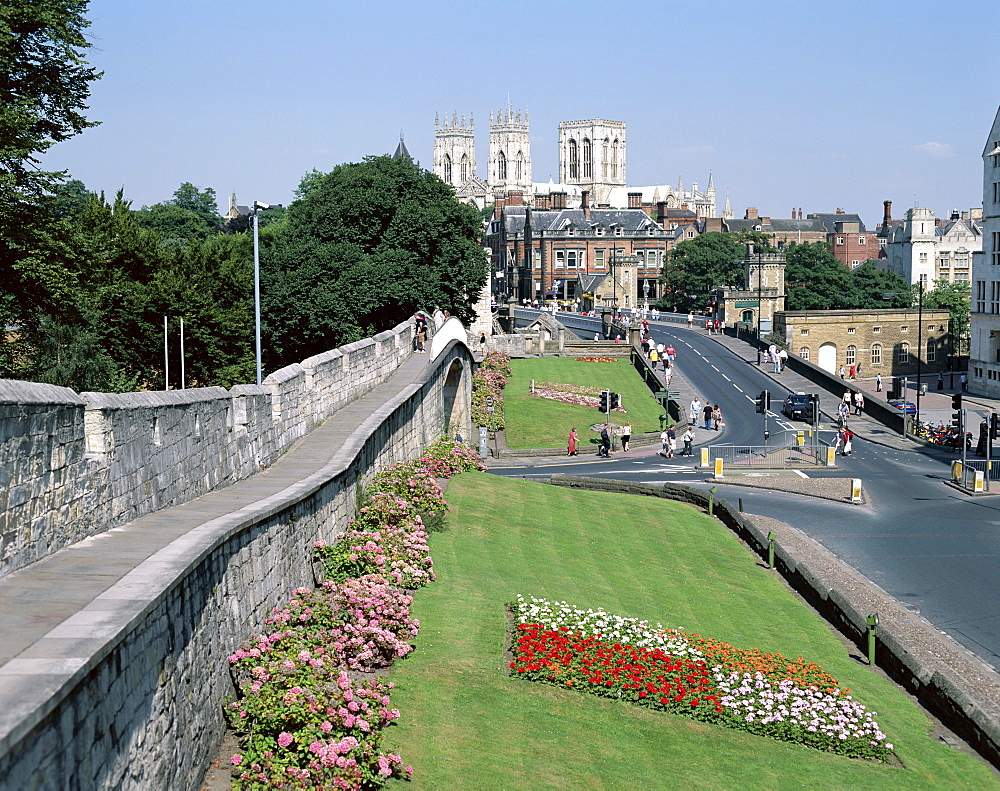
x=816 y=280
x=956 y=298
x=365 y=246
x=191 y=214
x=697 y=266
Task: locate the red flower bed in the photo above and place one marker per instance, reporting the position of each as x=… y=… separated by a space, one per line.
x=596 y=359
x=644 y=676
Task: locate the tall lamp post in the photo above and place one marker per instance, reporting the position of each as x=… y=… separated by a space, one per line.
x=920 y=337
x=257 y=208
x=760 y=300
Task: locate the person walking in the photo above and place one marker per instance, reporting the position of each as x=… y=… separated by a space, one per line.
x=843 y=412
x=717 y=418
x=878 y=383
x=671 y=442
x=964 y=382
x=688 y=438
x=694 y=410
x=848 y=442
x=859 y=402
x=690 y=320
x=671 y=353
x=842 y=372
x=653 y=357
x=571 y=444
x=782 y=359
x=853 y=372
x=707 y=412
x=626 y=436
x=940 y=385
x=419 y=332
x=665 y=442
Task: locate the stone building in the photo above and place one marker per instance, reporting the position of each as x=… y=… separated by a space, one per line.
x=509 y=166
x=884 y=342
x=984 y=344
x=762 y=296
x=923 y=248
x=592 y=156
x=700 y=202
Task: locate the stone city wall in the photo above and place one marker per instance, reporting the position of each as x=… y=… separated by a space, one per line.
x=73 y=465
x=141 y=705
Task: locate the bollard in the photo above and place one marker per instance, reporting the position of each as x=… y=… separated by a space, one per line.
x=711 y=500
x=800 y=438
x=980 y=481
x=704 y=457
x=872 y=628
x=741 y=505
x=956 y=470
x=770 y=548
x=718 y=468
x=831 y=457
x=855 y=490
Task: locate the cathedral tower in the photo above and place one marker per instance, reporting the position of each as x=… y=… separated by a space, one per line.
x=592 y=155
x=510 y=152
x=454 y=150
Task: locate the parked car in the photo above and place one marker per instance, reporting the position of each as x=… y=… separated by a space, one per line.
x=796 y=406
x=906 y=407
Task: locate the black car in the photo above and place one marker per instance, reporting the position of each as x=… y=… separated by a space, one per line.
x=796 y=406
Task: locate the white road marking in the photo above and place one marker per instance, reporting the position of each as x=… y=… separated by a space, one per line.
x=717 y=369
x=726 y=377
x=799 y=472
x=741 y=390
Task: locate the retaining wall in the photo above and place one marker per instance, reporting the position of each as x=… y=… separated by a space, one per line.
x=915 y=664
x=134 y=699
x=72 y=466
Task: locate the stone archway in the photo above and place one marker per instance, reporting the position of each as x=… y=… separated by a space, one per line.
x=456 y=401
x=827 y=357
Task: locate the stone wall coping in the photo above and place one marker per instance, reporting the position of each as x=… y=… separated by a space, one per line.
x=357 y=346
x=18 y=391
x=154 y=398
x=323 y=357
x=249 y=390
x=285 y=374
x=76 y=647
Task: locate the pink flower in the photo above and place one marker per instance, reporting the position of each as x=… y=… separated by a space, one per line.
x=236 y=760
x=285 y=739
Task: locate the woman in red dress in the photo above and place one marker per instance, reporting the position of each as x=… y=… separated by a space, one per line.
x=571 y=446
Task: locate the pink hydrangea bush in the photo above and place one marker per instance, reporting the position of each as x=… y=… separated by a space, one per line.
x=489 y=381
x=446 y=458
x=411 y=481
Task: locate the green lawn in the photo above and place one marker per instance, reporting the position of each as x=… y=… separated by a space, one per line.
x=533 y=422
x=466 y=725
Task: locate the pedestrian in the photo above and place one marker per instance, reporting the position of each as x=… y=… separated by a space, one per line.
x=776 y=361
x=438 y=317
x=859 y=370
x=419 y=332
x=848 y=442
x=859 y=402
x=626 y=436
x=848 y=397
x=618 y=339
x=838 y=441
x=842 y=372
x=645 y=346
x=671 y=442
x=782 y=359
x=690 y=320
x=717 y=326
x=659 y=349
x=878 y=383
x=688 y=437
x=596 y=337
x=843 y=412
x=605 y=449
x=708 y=326
x=717 y=418
x=482 y=342
x=694 y=410
x=853 y=372
x=964 y=382
x=571 y=444
x=707 y=415
x=653 y=357
x=671 y=353
x=668 y=372
x=665 y=442
x=940 y=381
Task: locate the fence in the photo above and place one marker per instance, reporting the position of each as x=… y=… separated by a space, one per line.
x=769 y=456
x=965 y=474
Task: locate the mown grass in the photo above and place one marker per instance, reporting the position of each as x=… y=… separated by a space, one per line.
x=533 y=422
x=465 y=724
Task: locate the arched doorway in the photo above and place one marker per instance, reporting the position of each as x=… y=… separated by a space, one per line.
x=456 y=401
x=827 y=357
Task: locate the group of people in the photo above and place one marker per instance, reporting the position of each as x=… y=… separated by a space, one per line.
x=668 y=442
x=608 y=432
x=778 y=357
x=852 y=371
x=711 y=415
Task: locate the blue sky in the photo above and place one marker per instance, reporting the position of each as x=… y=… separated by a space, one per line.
x=789 y=104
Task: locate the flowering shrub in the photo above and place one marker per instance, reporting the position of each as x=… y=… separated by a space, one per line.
x=446 y=458
x=763 y=693
x=412 y=481
x=596 y=359
x=488 y=382
x=571 y=398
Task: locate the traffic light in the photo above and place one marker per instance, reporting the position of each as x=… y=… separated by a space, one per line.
x=616 y=400
x=605 y=398
x=763 y=402
x=813 y=417
x=994 y=425
x=897 y=388
x=956 y=417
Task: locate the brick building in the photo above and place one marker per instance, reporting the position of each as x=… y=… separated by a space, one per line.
x=883 y=342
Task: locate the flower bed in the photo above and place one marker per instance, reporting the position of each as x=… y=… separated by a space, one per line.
x=301 y=720
x=596 y=359
x=489 y=382
x=668 y=669
x=593 y=402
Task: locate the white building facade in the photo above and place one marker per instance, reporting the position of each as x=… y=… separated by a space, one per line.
x=922 y=249
x=984 y=344
x=510 y=152
x=592 y=156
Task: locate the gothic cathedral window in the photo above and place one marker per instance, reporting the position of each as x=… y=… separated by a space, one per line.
x=604 y=158
x=501 y=166
x=614 y=159
x=574 y=163
x=588 y=157
x=519 y=167
x=447 y=169
x=465 y=168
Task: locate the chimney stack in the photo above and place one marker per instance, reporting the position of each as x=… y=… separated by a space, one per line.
x=558 y=200
x=751 y=213
x=661 y=211
x=800 y=212
x=585 y=203
x=635 y=200
x=541 y=202
x=886 y=213
x=515 y=198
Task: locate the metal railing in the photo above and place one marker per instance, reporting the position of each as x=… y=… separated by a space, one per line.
x=966 y=476
x=789 y=455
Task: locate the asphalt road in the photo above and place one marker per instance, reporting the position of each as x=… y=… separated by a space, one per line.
x=929 y=546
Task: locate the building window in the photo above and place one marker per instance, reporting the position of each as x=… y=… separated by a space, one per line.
x=931 y=350
x=574 y=165
x=447 y=169
x=560 y=259
x=502 y=166
x=855 y=264
x=804 y=331
x=995 y=296
x=861 y=240
x=851 y=330
x=876 y=329
x=851 y=355
x=465 y=168
x=538 y=259
x=571 y=259
x=840 y=240
x=598 y=259
x=904 y=328
x=904 y=354
x=804 y=352
x=604 y=158
x=519 y=167
x=996 y=192
x=588 y=159
x=690 y=234
x=876 y=354
x=961 y=259
x=923 y=280
x=944 y=262
x=980 y=296
x=614 y=159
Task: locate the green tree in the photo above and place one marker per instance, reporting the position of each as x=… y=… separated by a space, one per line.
x=697 y=266
x=878 y=289
x=956 y=298
x=816 y=280
x=192 y=214
x=366 y=246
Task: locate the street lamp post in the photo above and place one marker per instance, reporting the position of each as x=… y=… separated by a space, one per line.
x=257 y=208
x=920 y=338
x=760 y=301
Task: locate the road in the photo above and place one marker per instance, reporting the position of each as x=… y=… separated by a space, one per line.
x=929 y=546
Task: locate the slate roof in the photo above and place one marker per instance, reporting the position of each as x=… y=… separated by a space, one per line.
x=626 y=219
x=791 y=226
x=830 y=220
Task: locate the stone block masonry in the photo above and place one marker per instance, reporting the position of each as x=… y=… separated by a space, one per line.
x=122 y=686
x=73 y=466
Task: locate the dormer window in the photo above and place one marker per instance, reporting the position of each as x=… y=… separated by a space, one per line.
x=599 y=230
x=619 y=231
